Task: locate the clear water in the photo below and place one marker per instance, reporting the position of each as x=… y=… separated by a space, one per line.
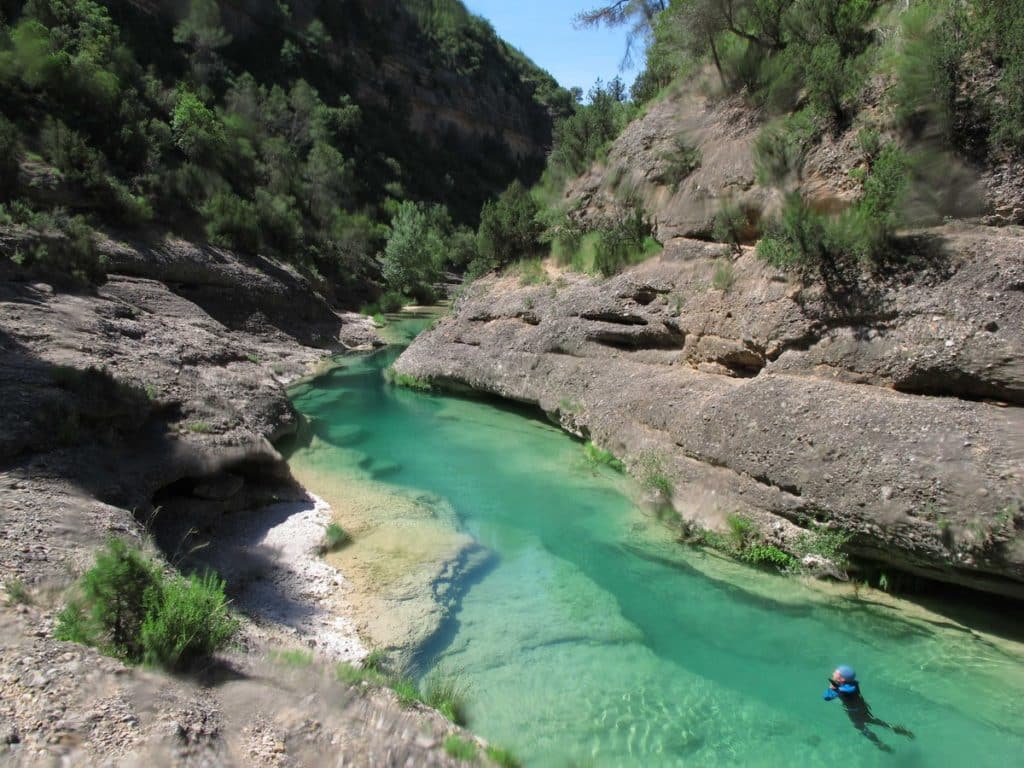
x=596 y=639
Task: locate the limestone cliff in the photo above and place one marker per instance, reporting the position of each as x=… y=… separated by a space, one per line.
x=897 y=420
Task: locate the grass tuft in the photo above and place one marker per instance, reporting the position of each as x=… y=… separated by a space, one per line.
x=395 y=379
x=17 y=592
x=292 y=658
x=600 y=456
x=724 y=276
x=459 y=748
x=445 y=691
x=503 y=757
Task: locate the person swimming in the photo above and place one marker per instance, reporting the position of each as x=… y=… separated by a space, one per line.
x=843 y=685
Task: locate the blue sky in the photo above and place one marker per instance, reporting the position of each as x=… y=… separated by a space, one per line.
x=543 y=30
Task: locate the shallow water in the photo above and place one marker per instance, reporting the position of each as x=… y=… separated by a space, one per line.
x=596 y=639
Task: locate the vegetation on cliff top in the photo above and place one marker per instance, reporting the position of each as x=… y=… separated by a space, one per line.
x=260 y=128
x=918 y=84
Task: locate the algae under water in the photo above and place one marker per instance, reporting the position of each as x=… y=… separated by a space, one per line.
x=596 y=639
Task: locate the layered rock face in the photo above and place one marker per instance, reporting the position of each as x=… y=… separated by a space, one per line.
x=897 y=421
x=189 y=348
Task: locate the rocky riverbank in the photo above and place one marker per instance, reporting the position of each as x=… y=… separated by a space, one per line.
x=894 y=419
x=147 y=408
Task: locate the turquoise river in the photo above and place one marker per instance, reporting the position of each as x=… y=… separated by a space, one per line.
x=593 y=638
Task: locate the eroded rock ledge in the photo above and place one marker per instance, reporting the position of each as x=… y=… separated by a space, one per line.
x=189 y=349
x=895 y=417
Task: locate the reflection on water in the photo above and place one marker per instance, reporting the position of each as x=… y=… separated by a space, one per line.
x=593 y=638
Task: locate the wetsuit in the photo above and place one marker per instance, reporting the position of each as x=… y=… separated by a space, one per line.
x=856 y=708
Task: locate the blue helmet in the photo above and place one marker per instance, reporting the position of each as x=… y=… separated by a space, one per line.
x=847 y=672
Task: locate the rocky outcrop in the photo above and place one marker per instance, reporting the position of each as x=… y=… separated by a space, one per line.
x=895 y=418
x=643 y=166
x=154 y=396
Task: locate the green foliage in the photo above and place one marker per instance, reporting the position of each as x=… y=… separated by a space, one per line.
x=17 y=592
x=415 y=251
x=116 y=595
x=335 y=537
x=800 y=241
x=231 y=222
x=781 y=147
x=1000 y=28
x=391 y=376
x=406 y=690
x=530 y=272
x=743 y=541
x=731 y=225
x=724 y=276
x=502 y=757
x=460 y=748
x=353 y=675
x=681 y=161
x=597 y=455
x=65 y=246
x=199 y=427
x=509 y=229
x=129 y=609
x=582 y=137
x=823 y=542
x=187 y=620
x=375 y=661
x=445 y=691
x=392 y=301
x=768 y=555
x=194 y=129
x=812 y=244
x=197 y=130
x=562 y=231
x=293 y=658
x=622 y=243
x=650 y=471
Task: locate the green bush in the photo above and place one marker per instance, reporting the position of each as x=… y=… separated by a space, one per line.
x=129 y=609
x=800 y=241
x=197 y=130
x=824 y=542
x=459 y=748
x=622 y=243
x=582 y=137
x=117 y=593
x=187 y=620
x=415 y=251
x=744 y=542
x=681 y=161
x=781 y=147
x=232 y=222
x=509 y=228
x=731 y=225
